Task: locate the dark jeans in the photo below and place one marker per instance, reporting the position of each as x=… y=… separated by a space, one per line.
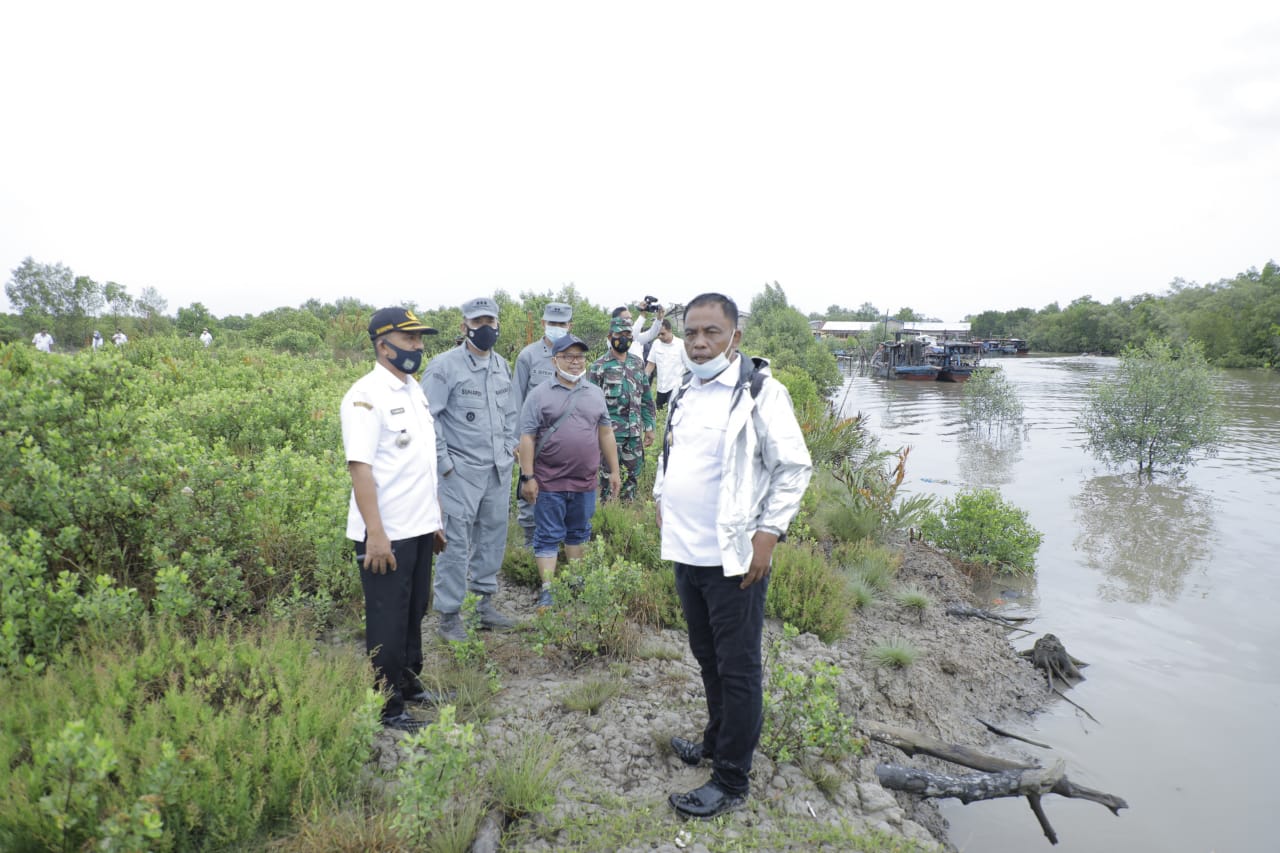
x=394 y=605
x=725 y=628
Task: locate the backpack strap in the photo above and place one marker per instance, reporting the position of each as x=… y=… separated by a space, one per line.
x=750 y=376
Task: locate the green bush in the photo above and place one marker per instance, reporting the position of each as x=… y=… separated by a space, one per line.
x=590 y=614
x=990 y=401
x=980 y=527
x=807 y=591
x=211 y=738
x=802 y=711
x=162 y=454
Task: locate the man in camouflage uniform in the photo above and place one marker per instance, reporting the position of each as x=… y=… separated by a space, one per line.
x=621 y=377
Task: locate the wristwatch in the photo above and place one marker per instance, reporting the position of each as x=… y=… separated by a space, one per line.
x=524 y=478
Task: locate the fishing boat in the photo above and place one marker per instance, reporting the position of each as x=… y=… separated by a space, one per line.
x=1005 y=347
x=956 y=360
x=904 y=360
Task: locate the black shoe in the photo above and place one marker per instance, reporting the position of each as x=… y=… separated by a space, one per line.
x=403 y=722
x=687 y=751
x=706 y=802
x=427 y=696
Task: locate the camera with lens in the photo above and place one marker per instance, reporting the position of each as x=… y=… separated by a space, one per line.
x=650 y=304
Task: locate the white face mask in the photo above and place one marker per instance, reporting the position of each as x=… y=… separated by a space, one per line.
x=572 y=378
x=709 y=369
x=555 y=333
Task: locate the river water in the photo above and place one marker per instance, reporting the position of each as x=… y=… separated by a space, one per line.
x=1169 y=590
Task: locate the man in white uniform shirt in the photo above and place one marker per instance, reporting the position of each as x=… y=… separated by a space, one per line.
x=733 y=469
x=666 y=364
x=394 y=514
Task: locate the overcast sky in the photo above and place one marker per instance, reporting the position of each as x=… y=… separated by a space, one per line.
x=948 y=157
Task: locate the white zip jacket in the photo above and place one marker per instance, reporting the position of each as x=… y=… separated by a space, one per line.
x=765 y=467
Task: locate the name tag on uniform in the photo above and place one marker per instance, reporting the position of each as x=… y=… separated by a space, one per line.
x=399 y=411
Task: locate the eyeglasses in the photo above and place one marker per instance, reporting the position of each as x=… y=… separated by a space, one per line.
x=578 y=357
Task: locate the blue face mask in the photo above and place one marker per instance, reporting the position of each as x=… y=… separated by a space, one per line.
x=555 y=333
x=709 y=369
x=405 y=360
x=482 y=338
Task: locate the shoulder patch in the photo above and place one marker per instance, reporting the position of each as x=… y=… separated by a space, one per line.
x=362 y=404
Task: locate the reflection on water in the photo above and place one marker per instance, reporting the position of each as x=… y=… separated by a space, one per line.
x=988 y=458
x=1165 y=588
x=1145 y=537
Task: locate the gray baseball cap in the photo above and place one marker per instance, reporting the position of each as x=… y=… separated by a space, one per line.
x=481 y=306
x=557 y=312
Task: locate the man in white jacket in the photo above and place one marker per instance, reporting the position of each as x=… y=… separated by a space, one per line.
x=734 y=467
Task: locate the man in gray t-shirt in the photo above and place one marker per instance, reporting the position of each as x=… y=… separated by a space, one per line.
x=564 y=430
x=533 y=367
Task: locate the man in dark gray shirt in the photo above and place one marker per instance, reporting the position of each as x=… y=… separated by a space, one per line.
x=564 y=431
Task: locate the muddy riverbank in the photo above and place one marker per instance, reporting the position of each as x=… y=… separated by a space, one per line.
x=617 y=771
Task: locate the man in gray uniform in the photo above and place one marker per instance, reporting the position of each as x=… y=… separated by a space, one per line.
x=469 y=393
x=533 y=367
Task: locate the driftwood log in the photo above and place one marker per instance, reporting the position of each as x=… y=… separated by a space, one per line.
x=969 y=612
x=1013 y=778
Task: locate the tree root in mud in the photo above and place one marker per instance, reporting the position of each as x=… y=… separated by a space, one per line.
x=1000 y=777
x=1050 y=655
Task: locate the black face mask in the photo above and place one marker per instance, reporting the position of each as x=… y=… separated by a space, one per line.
x=406 y=360
x=620 y=344
x=482 y=338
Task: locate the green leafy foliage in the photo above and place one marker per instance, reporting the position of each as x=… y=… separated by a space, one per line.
x=225 y=465
x=590 y=613
x=980 y=527
x=802 y=711
x=781 y=334
x=990 y=402
x=807 y=591
x=210 y=737
x=1158 y=411
x=439 y=768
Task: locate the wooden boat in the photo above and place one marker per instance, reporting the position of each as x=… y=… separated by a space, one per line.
x=956 y=360
x=904 y=360
x=1005 y=347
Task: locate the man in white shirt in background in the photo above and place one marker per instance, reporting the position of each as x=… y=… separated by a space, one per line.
x=666 y=363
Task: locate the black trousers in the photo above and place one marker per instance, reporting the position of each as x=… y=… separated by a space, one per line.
x=662 y=398
x=726 y=625
x=394 y=606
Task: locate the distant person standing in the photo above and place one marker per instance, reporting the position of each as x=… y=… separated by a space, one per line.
x=97 y=340
x=43 y=341
x=469 y=391
x=206 y=338
x=565 y=431
x=533 y=367
x=119 y=338
x=393 y=517
x=620 y=375
x=665 y=366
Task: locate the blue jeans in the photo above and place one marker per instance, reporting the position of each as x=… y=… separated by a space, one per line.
x=726 y=626
x=561 y=517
